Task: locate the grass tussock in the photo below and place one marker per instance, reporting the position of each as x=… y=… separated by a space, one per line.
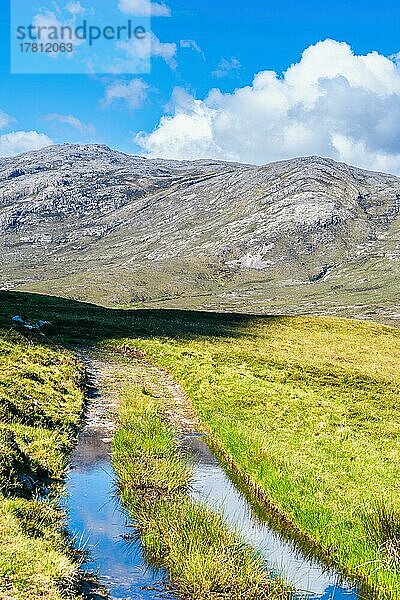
x=146 y=441
x=40 y=407
x=383 y=525
x=205 y=560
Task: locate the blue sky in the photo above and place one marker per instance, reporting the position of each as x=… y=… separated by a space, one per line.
x=223 y=45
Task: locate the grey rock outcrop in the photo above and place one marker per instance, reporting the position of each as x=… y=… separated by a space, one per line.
x=92 y=223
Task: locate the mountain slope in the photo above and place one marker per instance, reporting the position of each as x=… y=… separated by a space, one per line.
x=308 y=235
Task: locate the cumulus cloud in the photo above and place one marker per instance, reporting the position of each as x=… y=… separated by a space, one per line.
x=144 y=8
x=22 y=141
x=70 y=120
x=133 y=92
x=227 y=67
x=331 y=103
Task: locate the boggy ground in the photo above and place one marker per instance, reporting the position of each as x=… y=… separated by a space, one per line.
x=204 y=559
x=306 y=408
x=307 y=411
x=42 y=408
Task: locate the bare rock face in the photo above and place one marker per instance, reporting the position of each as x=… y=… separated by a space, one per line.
x=91 y=223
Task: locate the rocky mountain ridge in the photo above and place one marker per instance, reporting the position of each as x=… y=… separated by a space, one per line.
x=304 y=235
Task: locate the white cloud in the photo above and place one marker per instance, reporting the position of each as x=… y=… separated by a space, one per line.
x=164 y=50
x=46 y=20
x=75 y=8
x=49 y=23
x=332 y=103
x=71 y=121
x=191 y=45
x=133 y=92
x=144 y=8
x=227 y=67
x=5 y=120
x=22 y=141
x=139 y=51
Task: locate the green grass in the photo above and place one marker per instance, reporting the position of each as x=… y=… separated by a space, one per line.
x=40 y=409
x=383 y=524
x=306 y=408
x=205 y=560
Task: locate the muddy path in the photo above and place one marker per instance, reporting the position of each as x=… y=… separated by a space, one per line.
x=96 y=515
x=117 y=570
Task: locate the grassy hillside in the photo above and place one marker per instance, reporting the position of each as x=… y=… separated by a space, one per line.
x=306 y=408
x=40 y=408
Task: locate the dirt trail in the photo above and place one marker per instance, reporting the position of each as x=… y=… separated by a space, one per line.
x=178 y=410
x=102 y=407
x=107 y=375
x=109 y=372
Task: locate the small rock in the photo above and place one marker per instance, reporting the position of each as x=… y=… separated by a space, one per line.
x=17 y=320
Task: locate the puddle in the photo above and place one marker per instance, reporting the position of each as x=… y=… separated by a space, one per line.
x=310 y=577
x=98 y=521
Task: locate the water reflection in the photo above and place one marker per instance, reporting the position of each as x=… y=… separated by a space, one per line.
x=212 y=485
x=98 y=520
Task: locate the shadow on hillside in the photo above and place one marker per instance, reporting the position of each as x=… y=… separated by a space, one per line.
x=80 y=323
